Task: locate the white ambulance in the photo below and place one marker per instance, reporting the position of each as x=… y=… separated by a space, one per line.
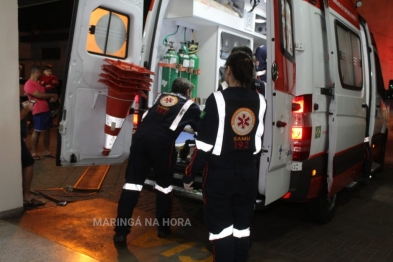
x=325 y=125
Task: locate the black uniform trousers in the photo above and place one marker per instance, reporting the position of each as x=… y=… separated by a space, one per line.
x=230 y=192
x=148 y=151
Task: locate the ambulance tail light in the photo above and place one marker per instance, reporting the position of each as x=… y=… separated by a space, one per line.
x=287 y=195
x=135 y=119
x=301 y=128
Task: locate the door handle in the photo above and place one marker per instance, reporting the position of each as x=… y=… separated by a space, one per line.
x=281 y=124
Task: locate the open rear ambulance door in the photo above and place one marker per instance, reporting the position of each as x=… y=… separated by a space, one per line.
x=274 y=172
x=347 y=109
x=100 y=29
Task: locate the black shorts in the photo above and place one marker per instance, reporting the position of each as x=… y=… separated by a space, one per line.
x=27 y=158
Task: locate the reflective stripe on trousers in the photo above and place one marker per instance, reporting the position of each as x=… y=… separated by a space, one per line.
x=224 y=233
x=241 y=233
x=163 y=190
x=229 y=231
x=134 y=187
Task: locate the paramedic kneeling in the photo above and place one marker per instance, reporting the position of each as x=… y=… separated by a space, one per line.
x=227 y=141
x=153 y=146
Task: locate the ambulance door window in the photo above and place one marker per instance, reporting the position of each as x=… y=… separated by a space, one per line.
x=379 y=78
x=286 y=27
x=108 y=33
x=349 y=57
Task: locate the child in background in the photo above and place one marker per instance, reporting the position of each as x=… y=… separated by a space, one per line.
x=49 y=82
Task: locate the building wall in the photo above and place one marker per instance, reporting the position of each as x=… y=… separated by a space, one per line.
x=30 y=53
x=10 y=163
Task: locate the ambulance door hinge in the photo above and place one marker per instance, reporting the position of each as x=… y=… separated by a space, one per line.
x=327 y=91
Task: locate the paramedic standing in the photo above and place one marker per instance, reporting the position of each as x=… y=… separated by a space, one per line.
x=261 y=56
x=227 y=142
x=153 y=146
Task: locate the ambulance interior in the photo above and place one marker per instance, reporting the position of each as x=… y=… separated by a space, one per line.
x=217 y=29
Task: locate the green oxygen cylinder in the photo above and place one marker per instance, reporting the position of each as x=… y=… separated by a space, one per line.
x=194 y=66
x=184 y=60
x=169 y=74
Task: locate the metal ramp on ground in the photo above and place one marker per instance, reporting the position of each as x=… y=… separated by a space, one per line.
x=92 y=178
x=85 y=188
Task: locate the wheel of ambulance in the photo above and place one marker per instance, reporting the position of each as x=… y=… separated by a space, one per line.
x=381 y=158
x=322 y=210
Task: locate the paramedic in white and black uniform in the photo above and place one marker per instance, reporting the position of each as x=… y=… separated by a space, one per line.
x=227 y=142
x=153 y=146
x=256 y=85
x=261 y=56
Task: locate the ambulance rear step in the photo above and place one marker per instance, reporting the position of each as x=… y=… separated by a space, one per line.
x=180 y=191
x=364 y=179
x=196 y=194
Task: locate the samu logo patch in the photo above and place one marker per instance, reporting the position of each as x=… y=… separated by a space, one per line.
x=243 y=121
x=169 y=101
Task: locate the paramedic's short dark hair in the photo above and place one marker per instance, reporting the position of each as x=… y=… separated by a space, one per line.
x=181 y=85
x=35 y=68
x=244 y=49
x=46 y=67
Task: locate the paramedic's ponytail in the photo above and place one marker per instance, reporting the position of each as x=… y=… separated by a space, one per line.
x=242 y=67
